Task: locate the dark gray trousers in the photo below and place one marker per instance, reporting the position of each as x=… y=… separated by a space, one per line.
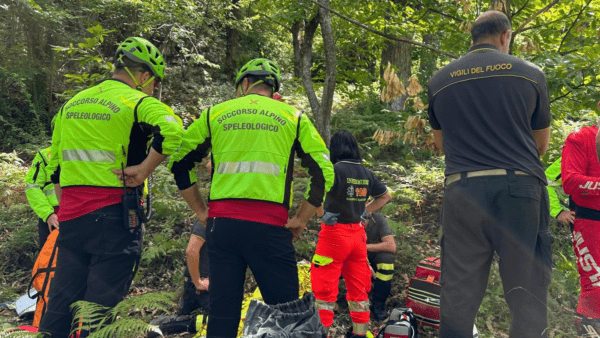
x=507 y=215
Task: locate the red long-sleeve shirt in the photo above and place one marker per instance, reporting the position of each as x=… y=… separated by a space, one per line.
x=580 y=169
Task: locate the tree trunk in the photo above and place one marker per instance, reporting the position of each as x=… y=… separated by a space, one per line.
x=297 y=43
x=321 y=110
x=231 y=44
x=330 y=73
x=399 y=54
x=428 y=59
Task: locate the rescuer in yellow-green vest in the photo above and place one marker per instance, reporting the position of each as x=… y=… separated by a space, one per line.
x=557 y=210
x=40 y=194
x=253 y=139
x=99 y=143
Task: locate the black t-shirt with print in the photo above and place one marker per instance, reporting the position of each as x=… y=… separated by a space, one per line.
x=353 y=186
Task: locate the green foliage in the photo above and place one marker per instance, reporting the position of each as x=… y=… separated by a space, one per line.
x=18 y=228
x=114 y=322
x=162 y=246
x=362 y=118
x=389 y=209
x=167 y=233
x=168 y=207
x=398 y=228
x=19 y=120
x=92 y=66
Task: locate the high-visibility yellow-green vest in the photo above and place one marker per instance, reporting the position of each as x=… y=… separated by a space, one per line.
x=554 y=182
x=107 y=127
x=38 y=186
x=253 y=140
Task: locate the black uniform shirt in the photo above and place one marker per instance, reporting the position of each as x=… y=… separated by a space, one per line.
x=487 y=103
x=377 y=229
x=200 y=231
x=353 y=186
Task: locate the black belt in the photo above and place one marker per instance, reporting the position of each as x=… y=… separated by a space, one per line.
x=586 y=213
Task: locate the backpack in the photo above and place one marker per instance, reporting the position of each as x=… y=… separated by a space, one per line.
x=42 y=274
x=401 y=324
x=424 y=292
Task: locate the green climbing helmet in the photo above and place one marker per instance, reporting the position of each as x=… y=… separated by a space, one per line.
x=142 y=51
x=264 y=69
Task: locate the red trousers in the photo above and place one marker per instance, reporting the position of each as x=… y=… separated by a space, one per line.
x=342 y=249
x=586 y=243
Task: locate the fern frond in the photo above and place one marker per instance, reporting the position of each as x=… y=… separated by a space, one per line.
x=162 y=301
x=11 y=333
x=88 y=315
x=123 y=328
x=104 y=321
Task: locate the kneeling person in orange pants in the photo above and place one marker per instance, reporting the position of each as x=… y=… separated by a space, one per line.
x=342 y=245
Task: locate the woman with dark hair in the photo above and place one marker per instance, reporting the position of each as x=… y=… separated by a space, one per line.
x=342 y=245
x=343 y=146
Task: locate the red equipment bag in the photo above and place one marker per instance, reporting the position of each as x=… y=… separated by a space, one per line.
x=424 y=293
x=430 y=266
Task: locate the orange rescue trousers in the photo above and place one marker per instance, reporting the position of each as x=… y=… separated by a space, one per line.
x=342 y=249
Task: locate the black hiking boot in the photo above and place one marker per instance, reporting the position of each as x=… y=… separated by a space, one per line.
x=378 y=311
x=174 y=324
x=587 y=327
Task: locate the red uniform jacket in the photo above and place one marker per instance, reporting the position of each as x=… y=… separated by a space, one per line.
x=580 y=169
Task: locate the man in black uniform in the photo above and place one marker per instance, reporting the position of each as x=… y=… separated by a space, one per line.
x=381 y=248
x=490 y=115
x=195 y=288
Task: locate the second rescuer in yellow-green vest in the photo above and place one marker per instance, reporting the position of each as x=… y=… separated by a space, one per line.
x=254 y=159
x=253 y=140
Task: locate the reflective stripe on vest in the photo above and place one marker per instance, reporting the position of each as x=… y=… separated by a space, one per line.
x=32 y=186
x=88 y=155
x=49 y=192
x=248 y=167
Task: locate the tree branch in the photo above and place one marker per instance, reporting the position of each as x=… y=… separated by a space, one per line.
x=568 y=93
x=546 y=23
x=276 y=22
x=572 y=25
x=385 y=35
x=444 y=14
x=545 y=9
x=520 y=9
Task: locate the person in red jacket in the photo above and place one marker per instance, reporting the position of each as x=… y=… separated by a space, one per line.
x=581 y=179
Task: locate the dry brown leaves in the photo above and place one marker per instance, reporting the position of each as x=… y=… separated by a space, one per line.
x=394 y=88
x=529 y=46
x=386 y=137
